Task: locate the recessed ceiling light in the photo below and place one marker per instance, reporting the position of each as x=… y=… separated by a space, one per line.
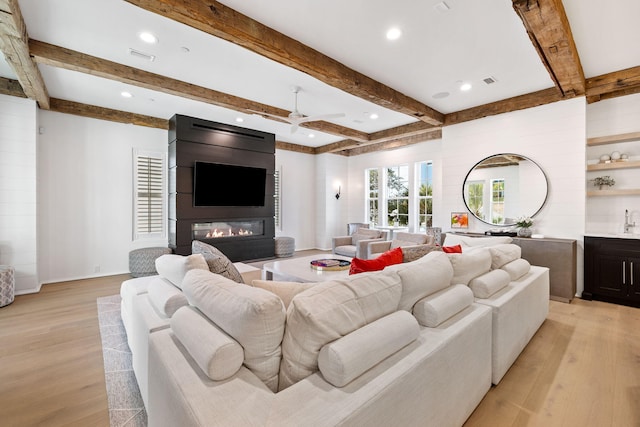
x=311 y=135
x=373 y=116
x=394 y=33
x=126 y=94
x=465 y=87
x=440 y=95
x=147 y=37
x=239 y=119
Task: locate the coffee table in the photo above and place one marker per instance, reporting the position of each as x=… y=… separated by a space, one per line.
x=299 y=269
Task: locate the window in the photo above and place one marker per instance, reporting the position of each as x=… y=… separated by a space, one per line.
x=398 y=195
x=149 y=201
x=475 y=197
x=497 y=201
x=424 y=173
x=276 y=200
x=372 y=196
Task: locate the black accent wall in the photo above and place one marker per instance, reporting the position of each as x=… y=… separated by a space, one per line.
x=191 y=140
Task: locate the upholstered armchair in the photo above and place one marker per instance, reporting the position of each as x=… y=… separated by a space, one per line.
x=355 y=245
x=414 y=246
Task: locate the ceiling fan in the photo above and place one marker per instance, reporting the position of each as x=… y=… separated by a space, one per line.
x=296 y=117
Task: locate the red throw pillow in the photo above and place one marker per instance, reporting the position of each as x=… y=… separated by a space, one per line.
x=457 y=249
x=358 y=265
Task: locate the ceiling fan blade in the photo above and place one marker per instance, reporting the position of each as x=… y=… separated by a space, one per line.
x=320 y=117
x=294 y=128
x=262 y=113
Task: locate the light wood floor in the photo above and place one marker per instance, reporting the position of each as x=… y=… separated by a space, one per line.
x=582 y=368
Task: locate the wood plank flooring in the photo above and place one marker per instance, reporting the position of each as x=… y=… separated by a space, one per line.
x=582 y=368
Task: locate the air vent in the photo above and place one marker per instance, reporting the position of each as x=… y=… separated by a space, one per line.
x=141 y=55
x=489 y=80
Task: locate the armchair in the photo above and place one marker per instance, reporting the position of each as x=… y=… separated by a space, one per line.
x=414 y=245
x=356 y=244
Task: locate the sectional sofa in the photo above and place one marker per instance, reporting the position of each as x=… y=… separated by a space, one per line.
x=418 y=343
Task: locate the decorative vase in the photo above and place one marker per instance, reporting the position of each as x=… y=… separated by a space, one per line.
x=524 y=232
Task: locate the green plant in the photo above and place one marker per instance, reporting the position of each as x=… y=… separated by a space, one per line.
x=604 y=180
x=524 y=222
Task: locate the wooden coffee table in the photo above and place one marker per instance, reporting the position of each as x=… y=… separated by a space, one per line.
x=300 y=270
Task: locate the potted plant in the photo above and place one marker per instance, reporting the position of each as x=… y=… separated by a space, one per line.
x=602 y=181
x=524 y=223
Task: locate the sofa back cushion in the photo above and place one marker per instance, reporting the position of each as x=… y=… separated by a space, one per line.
x=413 y=238
x=365 y=234
x=174 y=267
x=252 y=316
x=331 y=310
x=469 y=265
x=452 y=239
x=503 y=254
x=422 y=277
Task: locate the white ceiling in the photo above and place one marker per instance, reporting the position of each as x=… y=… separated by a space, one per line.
x=438 y=50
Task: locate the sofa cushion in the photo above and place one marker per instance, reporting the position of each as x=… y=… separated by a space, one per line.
x=517 y=268
x=393 y=256
x=285 y=290
x=345 y=250
x=252 y=316
x=165 y=297
x=431 y=311
x=365 y=234
x=217 y=354
x=455 y=249
x=347 y=358
x=217 y=261
x=503 y=254
x=422 y=277
x=412 y=253
x=489 y=283
x=466 y=241
x=174 y=267
x=469 y=265
x=331 y=310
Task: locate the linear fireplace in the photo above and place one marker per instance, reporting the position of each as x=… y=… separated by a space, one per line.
x=234 y=216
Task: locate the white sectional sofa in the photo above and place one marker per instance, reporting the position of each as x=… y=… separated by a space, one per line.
x=418 y=343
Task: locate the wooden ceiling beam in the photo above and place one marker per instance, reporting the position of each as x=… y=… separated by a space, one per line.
x=94 y=112
x=436 y=133
x=14 y=45
x=516 y=103
x=611 y=85
x=60 y=57
x=11 y=87
x=214 y=18
x=549 y=30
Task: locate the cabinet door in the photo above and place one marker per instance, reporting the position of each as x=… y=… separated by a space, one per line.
x=633 y=278
x=610 y=275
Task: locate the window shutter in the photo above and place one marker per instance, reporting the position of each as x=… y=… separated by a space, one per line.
x=149 y=219
x=276 y=199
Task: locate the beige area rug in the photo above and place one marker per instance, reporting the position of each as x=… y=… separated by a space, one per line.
x=126 y=408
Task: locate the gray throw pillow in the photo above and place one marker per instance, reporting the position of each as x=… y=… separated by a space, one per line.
x=217 y=261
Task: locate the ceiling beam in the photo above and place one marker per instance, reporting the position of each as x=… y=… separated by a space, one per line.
x=618 y=83
x=11 y=88
x=548 y=28
x=14 y=45
x=436 y=133
x=60 y=57
x=516 y=103
x=94 y=112
x=225 y=23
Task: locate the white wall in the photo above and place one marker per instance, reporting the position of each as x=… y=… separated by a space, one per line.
x=18 y=225
x=612 y=117
x=85 y=195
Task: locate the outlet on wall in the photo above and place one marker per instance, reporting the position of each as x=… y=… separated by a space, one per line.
x=96 y=269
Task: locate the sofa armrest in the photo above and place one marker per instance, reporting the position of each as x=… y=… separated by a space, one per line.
x=361 y=247
x=377 y=247
x=341 y=241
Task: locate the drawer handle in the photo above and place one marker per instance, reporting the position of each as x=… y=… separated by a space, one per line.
x=624 y=271
x=631 y=272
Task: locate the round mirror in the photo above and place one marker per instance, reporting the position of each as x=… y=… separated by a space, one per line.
x=503 y=187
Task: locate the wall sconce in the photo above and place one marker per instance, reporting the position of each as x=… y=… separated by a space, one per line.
x=338 y=193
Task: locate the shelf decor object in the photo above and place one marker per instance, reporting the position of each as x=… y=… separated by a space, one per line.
x=604 y=181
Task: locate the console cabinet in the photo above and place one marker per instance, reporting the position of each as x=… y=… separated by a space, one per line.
x=612 y=270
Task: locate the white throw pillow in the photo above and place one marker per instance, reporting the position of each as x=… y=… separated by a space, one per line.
x=173 y=267
x=469 y=265
x=489 y=283
x=218 y=355
x=331 y=310
x=252 y=316
x=517 y=268
x=503 y=254
x=441 y=306
x=345 y=359
x=165 y=297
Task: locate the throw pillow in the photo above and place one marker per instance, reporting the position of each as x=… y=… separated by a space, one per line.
x=217 y=261
x=457 y=249
x=394 y=256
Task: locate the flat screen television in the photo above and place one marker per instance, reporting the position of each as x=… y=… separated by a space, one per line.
x=218 y=184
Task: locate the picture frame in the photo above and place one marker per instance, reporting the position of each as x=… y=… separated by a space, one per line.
x=459 y=220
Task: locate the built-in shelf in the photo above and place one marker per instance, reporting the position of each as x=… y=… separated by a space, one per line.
x=613 y=165
x=619 y=192
x=612 y=139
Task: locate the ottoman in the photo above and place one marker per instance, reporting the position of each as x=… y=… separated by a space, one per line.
x=284 y=246
x=7 y=285
x=142 y=262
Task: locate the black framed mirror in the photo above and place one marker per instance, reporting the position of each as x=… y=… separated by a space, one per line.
x=502 y=187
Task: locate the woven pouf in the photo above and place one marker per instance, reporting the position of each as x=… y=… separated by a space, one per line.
x=142 y=262
x=285 y=246
x=7 y=285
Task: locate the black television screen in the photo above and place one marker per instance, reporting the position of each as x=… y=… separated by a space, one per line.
x=217 y=184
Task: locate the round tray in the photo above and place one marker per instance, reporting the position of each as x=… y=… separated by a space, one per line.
x=329 y=264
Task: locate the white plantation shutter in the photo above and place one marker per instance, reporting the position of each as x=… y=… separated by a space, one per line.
x=149 y=200
x=276 y=196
